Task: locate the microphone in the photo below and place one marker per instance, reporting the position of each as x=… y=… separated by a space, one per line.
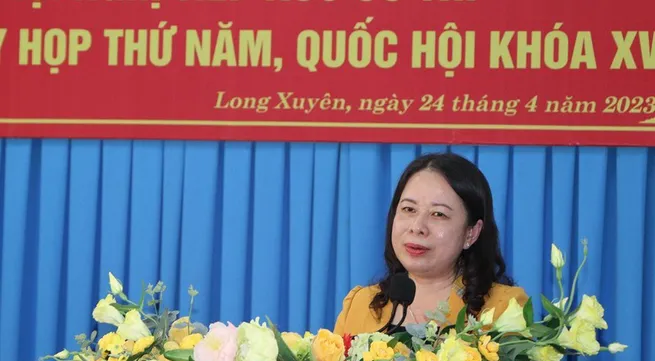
x=401 y=291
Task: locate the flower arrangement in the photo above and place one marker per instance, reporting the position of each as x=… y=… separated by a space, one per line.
x=514 y=336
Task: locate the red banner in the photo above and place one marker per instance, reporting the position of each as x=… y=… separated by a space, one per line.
x=554 y=72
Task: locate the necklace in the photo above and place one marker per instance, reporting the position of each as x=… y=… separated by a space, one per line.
x=412 y=314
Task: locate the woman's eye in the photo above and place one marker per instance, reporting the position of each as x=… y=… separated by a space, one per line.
x=408 y=209
x=439 y=214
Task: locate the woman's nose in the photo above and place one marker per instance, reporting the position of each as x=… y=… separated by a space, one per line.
x=419 y=227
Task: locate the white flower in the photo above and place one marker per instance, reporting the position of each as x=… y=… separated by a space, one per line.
x=591 y=311
x=561 y=303
x=256 y=342
x=104 y=312
x=487 y=317
x=616 y=347
x=512 y=319
x=556 y=257
x=133 y=328
x=115 y=285
x=64 y=354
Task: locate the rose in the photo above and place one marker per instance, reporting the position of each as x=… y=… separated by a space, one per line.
x=219 y=344
x=299 y=346
x=379 y=351
x=256 y=342
x=328 y=346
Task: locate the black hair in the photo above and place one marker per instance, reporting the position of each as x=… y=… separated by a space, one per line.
x=482 y=264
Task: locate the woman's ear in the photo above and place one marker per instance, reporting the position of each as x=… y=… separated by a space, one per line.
x=473 y=233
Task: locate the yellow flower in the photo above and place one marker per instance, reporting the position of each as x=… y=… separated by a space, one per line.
x=180 y=329
x=487 y=317
x=121 y=358
x=592 y=312
x=488 y=348
x=190 y=341
x=328 y=346
x=142 y=344
x=545 y=353
x=297 y=344
x=128 y=345
x=512 y=319
x=171 y=345
x=109 y=340
x=556 y=258
x=581 y=337
x=104 y=312
x=291 y=339
x=472 y=354
x=402 y=349
x=379 y=351
x=454 y=349
x=425 y=355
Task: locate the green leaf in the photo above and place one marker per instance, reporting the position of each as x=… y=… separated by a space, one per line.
x=284 y=352
x=445 y=330
x=468 y=338
x=461 y=318
x=179 y=355
x=124 y=308
x=551 y=308
x=143 y=294
x=514 y=350
x=542 y=332
x=528 y=312
x=402 y=337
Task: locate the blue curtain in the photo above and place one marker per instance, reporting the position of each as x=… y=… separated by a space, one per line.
x=286 y=229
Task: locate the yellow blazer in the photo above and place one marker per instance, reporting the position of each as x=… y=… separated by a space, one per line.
x=356 y=316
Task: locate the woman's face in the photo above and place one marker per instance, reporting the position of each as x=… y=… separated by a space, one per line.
x=430 y=228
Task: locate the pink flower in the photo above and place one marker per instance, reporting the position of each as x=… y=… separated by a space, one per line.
x=219 y=344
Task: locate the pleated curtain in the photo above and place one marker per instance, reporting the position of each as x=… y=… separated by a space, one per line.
x=285 y=230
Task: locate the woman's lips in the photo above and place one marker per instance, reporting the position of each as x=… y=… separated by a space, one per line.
x=415 y=249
